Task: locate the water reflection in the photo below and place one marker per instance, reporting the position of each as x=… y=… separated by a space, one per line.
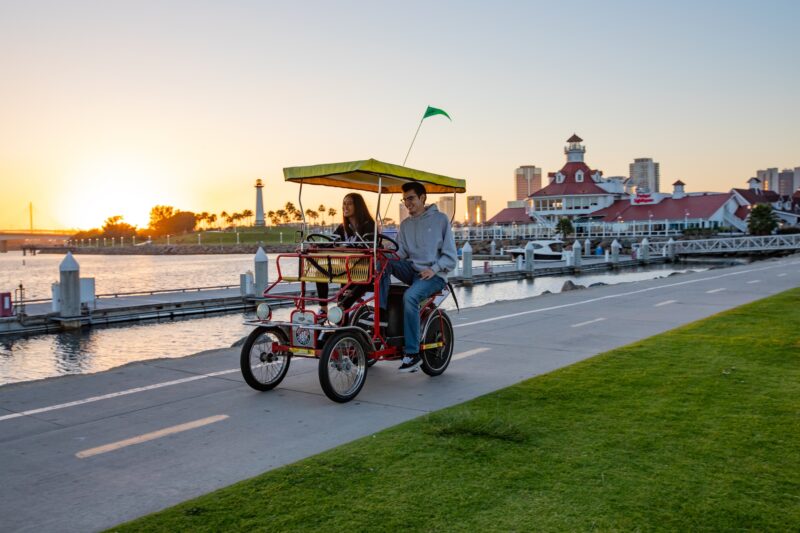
x=105 y=347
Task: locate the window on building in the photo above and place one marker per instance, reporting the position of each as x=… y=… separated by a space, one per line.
x=559 y=178
x=579 y=176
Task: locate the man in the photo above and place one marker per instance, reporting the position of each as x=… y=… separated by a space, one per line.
x=427 y=252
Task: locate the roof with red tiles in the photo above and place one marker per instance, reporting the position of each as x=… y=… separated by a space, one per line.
x=758 y=196
x=569 y=186
x=669 y=208
x=510 y=215
x=743 y=212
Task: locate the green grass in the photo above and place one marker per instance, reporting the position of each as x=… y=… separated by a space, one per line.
x=247 y=235
x=697 y=429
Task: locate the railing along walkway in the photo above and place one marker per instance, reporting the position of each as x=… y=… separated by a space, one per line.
x=764 y=243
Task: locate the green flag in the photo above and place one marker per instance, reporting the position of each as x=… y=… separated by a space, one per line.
x=431 y=111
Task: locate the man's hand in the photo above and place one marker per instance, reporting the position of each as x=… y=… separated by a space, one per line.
x=428 y=273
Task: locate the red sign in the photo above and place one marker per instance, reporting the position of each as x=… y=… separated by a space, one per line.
x=643 y=198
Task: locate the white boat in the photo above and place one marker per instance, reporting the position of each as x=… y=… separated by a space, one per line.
x=543 y=250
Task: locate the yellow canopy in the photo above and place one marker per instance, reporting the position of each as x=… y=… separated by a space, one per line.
x=363 y=176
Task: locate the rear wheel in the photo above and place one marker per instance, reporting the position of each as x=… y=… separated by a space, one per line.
x=437 y=343
x=343 y=366
x=263 y=368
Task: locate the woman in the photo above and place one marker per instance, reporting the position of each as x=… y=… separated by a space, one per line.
x=356 y=222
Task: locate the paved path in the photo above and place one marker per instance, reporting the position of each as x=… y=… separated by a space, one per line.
x=83 y=453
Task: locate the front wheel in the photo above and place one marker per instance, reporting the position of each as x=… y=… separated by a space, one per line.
x=437 y=343
x=343 y=366
x=262 y=367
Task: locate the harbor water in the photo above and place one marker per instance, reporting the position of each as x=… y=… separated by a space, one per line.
x=101 y=348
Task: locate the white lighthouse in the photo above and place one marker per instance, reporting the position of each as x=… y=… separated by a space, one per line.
x=259 y=204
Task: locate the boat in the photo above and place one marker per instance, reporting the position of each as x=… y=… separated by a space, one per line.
x=543 y=250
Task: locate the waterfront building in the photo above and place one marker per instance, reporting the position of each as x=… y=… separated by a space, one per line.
x=447 y=205
x=678 y=210
x=527 y=180
x=259 y=203
x=575 y=190
x=644 y=174
x=476 y=210
x=511 y=215
x=786 y=179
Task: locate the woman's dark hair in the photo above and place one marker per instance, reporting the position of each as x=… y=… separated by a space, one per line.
x=360 y=212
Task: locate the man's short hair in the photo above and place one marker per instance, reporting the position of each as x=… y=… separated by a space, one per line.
x=415 y=186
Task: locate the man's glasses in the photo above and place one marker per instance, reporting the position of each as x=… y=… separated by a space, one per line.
x=409 y=199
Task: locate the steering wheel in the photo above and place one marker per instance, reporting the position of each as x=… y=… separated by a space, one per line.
x=383 y=240
x=321 y=238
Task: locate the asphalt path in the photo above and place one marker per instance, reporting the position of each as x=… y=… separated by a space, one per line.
x=84 y=453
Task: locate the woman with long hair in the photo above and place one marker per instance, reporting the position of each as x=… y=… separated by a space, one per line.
x=356 y=222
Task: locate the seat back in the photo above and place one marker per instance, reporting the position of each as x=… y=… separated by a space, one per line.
x=333 y=267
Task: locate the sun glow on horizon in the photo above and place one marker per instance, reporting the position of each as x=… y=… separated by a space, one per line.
x=113 y=186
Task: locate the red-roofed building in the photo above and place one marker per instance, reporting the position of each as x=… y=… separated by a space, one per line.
x=574 y=191
x=511 y=215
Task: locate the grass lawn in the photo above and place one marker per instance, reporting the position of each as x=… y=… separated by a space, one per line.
x=246 y=235
x=695 y=429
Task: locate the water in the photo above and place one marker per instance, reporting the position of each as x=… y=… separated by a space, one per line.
x=102 y=348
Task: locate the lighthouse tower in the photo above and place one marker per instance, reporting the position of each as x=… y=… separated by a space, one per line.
x=574 y=150
x=259 y=203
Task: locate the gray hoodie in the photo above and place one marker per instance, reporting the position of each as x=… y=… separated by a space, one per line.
x=427 y=241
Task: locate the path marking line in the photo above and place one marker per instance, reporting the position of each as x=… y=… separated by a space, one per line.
x=462 y=355
x=781 y=274
x=587 y=322
x=753 y=281
x=712 y=291
x=116 y=394
x=150 y=436
x=612 y=296
x=469 y=353
x=665 y=302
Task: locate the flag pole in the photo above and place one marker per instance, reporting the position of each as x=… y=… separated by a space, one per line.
x=389 y=203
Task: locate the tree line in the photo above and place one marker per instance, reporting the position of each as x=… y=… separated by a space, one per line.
x=167 y=220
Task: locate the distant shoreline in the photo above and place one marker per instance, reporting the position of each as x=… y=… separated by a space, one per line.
x=163 y=249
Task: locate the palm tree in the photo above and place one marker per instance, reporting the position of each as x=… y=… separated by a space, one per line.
x=272 y=217
x=332 y=214
x=211 y=219
x=564 y=227
x=284 y=216
x=248 y=214
x=322 y=209
x=225 y=216
x=313 y=215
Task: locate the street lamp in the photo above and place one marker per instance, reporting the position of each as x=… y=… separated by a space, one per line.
x=650 y=223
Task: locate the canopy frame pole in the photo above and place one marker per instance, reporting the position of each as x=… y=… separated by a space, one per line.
x=379 y=227
x=302 y=214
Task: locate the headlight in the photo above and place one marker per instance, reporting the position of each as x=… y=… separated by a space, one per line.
x=335 y=315
x=263 y=312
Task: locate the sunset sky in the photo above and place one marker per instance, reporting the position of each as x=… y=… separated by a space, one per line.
x=111 y=107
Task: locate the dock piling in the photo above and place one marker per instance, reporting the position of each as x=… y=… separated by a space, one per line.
x=262 y=271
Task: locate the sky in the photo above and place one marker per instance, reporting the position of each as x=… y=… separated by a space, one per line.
x=111 y=107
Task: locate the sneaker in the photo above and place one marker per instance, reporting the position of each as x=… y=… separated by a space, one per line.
x=411 y=363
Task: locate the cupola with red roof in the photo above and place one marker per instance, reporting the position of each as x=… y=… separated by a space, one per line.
x=677 y=190
x=574 y=150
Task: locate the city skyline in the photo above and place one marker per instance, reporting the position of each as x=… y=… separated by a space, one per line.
x=110 y=109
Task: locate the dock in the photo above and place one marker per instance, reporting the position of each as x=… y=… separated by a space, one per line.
x=37 y=316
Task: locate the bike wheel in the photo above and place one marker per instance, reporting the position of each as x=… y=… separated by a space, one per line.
x=262 y=368
x=439 y=335
x=343 y=366
x=360 y=318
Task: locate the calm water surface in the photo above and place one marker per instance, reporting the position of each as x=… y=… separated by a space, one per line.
x=102 y=348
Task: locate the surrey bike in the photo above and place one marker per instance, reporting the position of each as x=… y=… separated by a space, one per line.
x=353 y=335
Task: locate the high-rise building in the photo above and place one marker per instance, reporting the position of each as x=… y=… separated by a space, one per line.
x=476 y=210
x=786 y=182
x=768 y=178
x=527 y=180
x=645 y=173
x=447 y=205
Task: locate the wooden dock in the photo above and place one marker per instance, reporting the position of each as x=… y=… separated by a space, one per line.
x=38 y=316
